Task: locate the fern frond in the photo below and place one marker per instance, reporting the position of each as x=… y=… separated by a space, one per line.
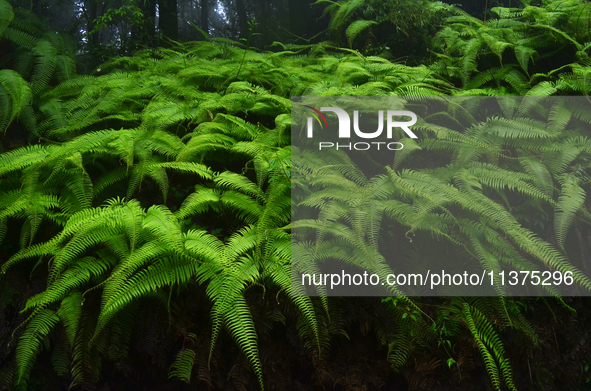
x=182 y=366
x=69 y=313
x=15 y=95
x=570 y=201
x=488 y=341
x=31 y=341
x=45 y=63
x=6 y=15
x=357 y=28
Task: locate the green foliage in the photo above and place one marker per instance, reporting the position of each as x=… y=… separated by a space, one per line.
x=517 y=47
x=391 y=28
x=357 y=28
x=6 y=15
x=166 y=178
x=459 y=188
x=129 y=12
x=15 y=94
x=41 y=59
x=488 y=341
x=31 y=342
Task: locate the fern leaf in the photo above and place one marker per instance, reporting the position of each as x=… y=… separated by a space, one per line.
x=15 y=94
x=183 y=365
x=342 y=14
x=31 y=341
x=66 y=67
x=489 y=362
x=6 y=15
x=570 y=201
x=241 y=326
x=45 y=64
x=524 y=54
x=543 y=179
x=20 y=38
x=357 y=28
x=69 y=313
x=544 y=88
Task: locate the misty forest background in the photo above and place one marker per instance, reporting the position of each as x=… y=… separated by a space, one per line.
x=145 y=176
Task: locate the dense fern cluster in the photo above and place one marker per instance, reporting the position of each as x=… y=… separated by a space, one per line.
x=162 y=183
x=393 y=29
x=457 y=195
x=34 y=60
x=517 y=50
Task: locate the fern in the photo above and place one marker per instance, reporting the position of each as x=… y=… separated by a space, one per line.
x=466 y=42
x=31 y=341
x=215 y=147
x=7 y=16
x=570 y=202
x=183 y=364
x=357 y=28
x=15 y=95
x=488 y=341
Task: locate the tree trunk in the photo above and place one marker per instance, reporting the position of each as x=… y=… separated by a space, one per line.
x=242 y=21
x=168 y=21
x=205 y=16
x=91 y=14
x=144 y=34
x=298 y=11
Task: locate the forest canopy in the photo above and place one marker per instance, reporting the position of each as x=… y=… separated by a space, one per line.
x=146 y=182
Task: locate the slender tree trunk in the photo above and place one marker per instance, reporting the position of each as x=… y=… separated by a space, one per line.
x=144 y=34
x=297 y=16
x=168 y=20
x=150 y=23
x=242 y=21
x=91 y=14
x=205 y=15
x=93 y=48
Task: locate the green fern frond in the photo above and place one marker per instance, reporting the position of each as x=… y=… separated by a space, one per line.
x=543 y=180
x=183 y=365
x=570 y=201
x=69 y=313
x=241 y=325
x=6 y=15
x=20 y=38
x=45 y=64
x=488 y=341
x=357 y=28
x=15 y=95
x=66 y=67
x=31 y=342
